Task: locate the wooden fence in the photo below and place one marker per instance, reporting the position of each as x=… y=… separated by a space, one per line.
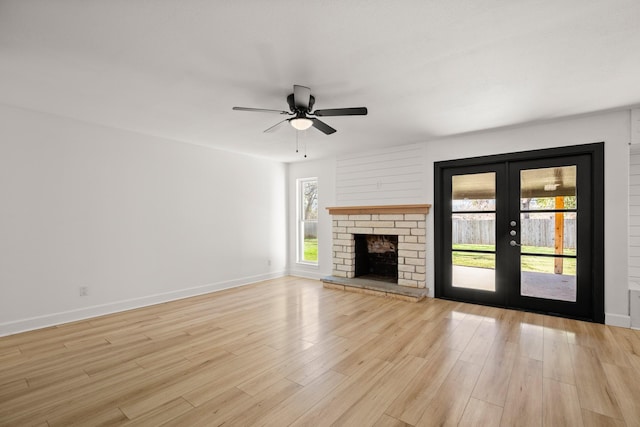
x=533 y=232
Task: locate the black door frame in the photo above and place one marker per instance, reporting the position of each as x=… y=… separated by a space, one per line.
x=596 y=156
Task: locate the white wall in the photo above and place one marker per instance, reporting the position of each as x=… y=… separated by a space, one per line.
x=325 y=171
x=613 y=128
x=137 y=219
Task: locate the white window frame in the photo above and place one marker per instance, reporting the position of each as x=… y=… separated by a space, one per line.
x=300 y=221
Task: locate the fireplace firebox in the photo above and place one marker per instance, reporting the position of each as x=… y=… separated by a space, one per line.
x=376 y=257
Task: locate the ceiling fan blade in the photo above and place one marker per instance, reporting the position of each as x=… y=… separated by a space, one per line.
x=358 y=111
x=301 y=96
x=322 y=126
x=276 y=126
x=261 y=110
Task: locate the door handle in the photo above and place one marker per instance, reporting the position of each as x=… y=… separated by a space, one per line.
x=514 y=243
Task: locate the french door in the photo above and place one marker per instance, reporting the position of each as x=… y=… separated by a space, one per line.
x=523 y=231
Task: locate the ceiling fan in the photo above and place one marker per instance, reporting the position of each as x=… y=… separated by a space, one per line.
x=301 y=103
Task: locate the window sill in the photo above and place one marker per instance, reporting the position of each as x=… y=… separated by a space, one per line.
x=307 y=263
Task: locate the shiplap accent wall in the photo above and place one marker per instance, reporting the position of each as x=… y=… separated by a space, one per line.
x=383 y=177
x=635 y=126
x=634 y=214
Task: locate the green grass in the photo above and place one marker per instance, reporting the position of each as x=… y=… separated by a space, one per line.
x=528 y=249
x=474 y=260
x=311 y=250
x=528 y=263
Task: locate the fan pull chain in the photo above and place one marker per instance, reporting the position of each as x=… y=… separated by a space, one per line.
x=296 y=141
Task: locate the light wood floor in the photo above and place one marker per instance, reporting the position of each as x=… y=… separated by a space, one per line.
x=288 y=352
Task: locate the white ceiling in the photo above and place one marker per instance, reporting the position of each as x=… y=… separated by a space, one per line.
x=425 y=69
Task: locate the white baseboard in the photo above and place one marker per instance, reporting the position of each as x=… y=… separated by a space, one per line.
x=54 y=319
x=617 y=320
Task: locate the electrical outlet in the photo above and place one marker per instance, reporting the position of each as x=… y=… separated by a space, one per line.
x=269 y=262
x=84 y=291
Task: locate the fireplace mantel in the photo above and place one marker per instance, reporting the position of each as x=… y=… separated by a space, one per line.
x=384 y=209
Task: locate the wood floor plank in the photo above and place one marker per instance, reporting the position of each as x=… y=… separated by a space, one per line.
x=411 y=403
x=561 y=405
x=531 y=345
x=322 y=357
x=291 y=364
x=628 y=339
x=493 y=383
x=398 y=345
x=13 y=387
x=608 y=349
x=263 y=402
x=461 y=336
x=593 y=419
x=371 y=406
x=162 y=413
x=318 y=366
x=215 y=411
x=557 y=361
x=624 y=382
x=205 y=386
x=295 y=406
x=480 y=344
x=449 y=403
x=523 y=406
x=38 y=404
x=9 y=352
x=434 y=339
x=112 y=391
x=555 y=329
x=594 y=390
x=367 y=351
x=331 y=407
x=509 y=325
x=481 y=414
x=387 y=421
x=106 y=417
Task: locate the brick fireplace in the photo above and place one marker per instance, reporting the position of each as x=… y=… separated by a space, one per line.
x=407 y=222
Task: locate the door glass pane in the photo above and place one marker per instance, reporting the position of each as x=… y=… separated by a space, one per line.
x=473 y=192
x=474 y=270
x=548 y=277
x=473 y=231
x=549 y=233
x=548 y=188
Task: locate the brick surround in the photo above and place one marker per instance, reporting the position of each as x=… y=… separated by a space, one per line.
x=408 y=222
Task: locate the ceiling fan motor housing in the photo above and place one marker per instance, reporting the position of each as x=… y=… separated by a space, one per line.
x=292 y=104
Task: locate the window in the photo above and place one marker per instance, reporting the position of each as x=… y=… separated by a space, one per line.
x=308 y=220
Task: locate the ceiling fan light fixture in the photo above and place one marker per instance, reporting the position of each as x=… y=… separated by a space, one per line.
x=301 y=123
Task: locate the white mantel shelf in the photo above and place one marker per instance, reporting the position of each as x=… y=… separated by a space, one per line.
x=385 y=209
